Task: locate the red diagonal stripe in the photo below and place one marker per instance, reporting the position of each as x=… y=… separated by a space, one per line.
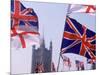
x=84 y=40
x=72 y=26
x=27 y=10
x=91 y=38
x=91 y=46
x=91 y=53
x=89 y=7
x=71 y=36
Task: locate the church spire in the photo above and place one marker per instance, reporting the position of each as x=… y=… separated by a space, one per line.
x=50 y=48
x=43 y=40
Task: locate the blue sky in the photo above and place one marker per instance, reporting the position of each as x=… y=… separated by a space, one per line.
x=51 y=21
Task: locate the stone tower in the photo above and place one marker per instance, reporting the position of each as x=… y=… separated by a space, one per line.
x=41 y=58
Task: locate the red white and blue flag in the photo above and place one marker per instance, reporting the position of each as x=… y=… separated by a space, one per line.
x=66 y=61
x=24 y=25
x=82 y=9
x=78 y=39
x=79 y=65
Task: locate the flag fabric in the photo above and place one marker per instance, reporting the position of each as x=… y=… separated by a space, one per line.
x=79 y=65
x=24 y=25
x=66 y=61
x=91 y=61
x=78 y=39
x=88 y=9
x=82 y=9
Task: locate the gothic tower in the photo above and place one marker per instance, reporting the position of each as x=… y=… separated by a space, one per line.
x=41 y=58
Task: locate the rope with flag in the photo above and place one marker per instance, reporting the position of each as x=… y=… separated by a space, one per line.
x=24 y=22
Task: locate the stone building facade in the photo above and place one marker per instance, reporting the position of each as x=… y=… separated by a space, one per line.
x=41 y=58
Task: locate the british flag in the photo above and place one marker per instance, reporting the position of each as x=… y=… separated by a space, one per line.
x=82 y=8
x=78 y=39
x=87 y=9
x=24 y=22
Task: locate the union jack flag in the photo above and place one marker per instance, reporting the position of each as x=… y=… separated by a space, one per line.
x=78 y=39
x=91 y=9
x=24 y=22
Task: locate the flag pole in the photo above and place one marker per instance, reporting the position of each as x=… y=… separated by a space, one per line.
x=60 y=51
x=58 y=62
